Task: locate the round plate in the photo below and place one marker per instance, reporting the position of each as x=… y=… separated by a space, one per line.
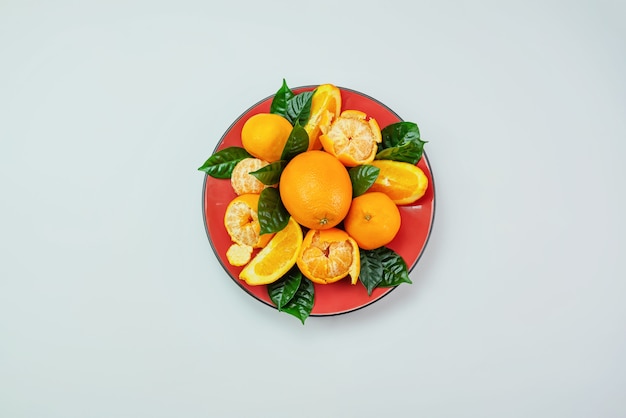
x=340 y=297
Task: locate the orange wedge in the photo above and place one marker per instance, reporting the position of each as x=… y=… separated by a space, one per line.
x=403 y=182
x=325 y=107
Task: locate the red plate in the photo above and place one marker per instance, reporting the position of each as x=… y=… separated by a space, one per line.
x=340 y=297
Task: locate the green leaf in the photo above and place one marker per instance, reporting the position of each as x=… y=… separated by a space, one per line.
x=371 y=270
x=395 y=271
x=273 y=216
x=281 y=100
x=270 y=174
x=284 y=289
x=401 y=142
x=299 y=108
x=302 y=302
x=411 y=152
x=297 y=142
x=362 y=178
x=220 y=165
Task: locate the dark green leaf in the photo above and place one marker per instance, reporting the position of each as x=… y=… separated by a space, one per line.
x=395 y=270
x=302 y=302
x=362 y=178
x=284 y=289
x=281 y=100
x=273 y=216
x=220 y=165
x=299 y=108
x=270 y=174
x=399 y=133
x=297 y=143
x=371 y=270
x=411 y=152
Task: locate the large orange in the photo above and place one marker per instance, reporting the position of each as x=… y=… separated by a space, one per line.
x=316 y=189
x=329 y=255
x=353 y=138
x=325 y=107
x=373 y=220
x=264 y=135
x=403 y=182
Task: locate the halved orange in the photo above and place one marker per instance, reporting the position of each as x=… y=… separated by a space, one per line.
x=278 y=256
x=329 y=255
x=403 y=182
x=325 y=107
x=242 y=221
x=353 y=138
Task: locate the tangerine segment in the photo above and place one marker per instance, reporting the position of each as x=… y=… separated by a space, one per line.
x=403 y=182
x=316 y=189
x=275 y=260
x=373 y=220
x=325 y=107
x=328 y=256
x=242 y=181
x=238 y=254
x=264 y=135
x=242 y=221
x=352 y=138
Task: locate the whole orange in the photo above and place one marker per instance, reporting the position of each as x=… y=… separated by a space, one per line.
x=373 y=220
x=264 y=135
x=316 y=189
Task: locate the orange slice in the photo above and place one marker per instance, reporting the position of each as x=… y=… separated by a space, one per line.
x=353 y=138
x=328 y=256
x=242 y=221
x=278 y=256
x=325 y=107
x=403 y=182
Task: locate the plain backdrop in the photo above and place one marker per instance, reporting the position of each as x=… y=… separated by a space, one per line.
x=112 y=303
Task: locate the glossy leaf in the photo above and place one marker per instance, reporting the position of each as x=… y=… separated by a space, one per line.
x=299 y=108
x=221 y=164
x=395 y=271
x=281 y=99
x=362 y=178
x=270 y=174
x=284 y=289
x=302 y=302
x=273 y=216
x=411 y=152
x=399 y=133
x=297 y=142
x=371 y=270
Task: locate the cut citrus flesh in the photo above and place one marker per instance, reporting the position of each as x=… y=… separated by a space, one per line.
x=242 y=181
x=278 y=256
x=325 y=107
x=239 y=254
x=353 y=138
x=242 y=221
x=403 y=182
x=328 y=256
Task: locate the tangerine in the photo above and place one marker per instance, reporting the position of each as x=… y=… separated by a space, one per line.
x=242 y=181
x=329 y=255
x=403 y=182
x=373 y=220
x=264 y=135
x=352 y=138
x=316 y=190
x=242 y=221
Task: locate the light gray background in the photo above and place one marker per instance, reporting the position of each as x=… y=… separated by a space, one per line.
x=112 y=303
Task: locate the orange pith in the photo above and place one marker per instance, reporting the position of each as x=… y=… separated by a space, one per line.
x=264 y=135
x=373 y=220
x=353 y=138
x=325 y=107
x=242 y=181
x=403 y=182
x=278 y=256
x=242 y=222
x=329 y=255
x=316 y=190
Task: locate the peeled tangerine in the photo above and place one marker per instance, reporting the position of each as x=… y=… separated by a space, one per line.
x=329 y=255
x=353 y=138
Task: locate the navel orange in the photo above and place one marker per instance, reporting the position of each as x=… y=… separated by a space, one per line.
x=373 y=220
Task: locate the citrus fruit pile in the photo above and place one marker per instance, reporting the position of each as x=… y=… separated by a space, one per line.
x=318 y=194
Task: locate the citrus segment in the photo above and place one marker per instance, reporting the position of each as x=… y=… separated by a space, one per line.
x=373 y=220
x=278 y=256
x=242 y=222
x=352 y=138
x=316 y=190
x=264 y=135
x=238 y=254
x=242 y=181
x=328 y=256
x=403 y=182
x=325 y=107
